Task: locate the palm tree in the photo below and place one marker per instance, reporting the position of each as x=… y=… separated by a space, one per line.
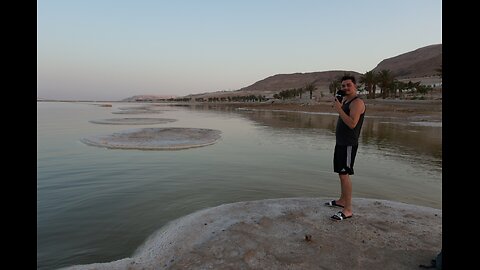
x=400 y=86
x=385 y=81
x=310 y=87
x=334 y=86
x=370 y=81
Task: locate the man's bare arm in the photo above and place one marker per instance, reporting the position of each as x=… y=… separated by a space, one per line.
x=356 y=109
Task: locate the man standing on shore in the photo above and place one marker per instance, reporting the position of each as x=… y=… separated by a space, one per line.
x=350 y=119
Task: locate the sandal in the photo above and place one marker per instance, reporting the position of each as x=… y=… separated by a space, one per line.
x=340 y=216
x=333 y=203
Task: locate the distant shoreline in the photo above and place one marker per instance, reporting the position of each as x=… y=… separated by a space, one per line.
x=419 y=110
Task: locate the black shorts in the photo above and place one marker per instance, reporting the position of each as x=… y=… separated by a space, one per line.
x=344 y=158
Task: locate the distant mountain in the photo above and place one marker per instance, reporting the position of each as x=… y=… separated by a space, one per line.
x=418 y=65
x=281 y=82
x=277 y=83
x=422 y=62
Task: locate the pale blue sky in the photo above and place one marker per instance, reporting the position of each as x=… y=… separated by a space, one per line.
x=113 y=49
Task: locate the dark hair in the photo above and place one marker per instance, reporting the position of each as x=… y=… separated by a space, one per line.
x=348 y=77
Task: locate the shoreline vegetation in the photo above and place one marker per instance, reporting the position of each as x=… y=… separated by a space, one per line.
x=419 y=110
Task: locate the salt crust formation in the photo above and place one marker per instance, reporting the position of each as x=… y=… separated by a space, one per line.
x=152 y=107
x=133 y=121
x=137 y=111
x=171 y=138
x=292 y=233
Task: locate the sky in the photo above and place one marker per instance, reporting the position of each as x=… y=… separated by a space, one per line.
x=115 y=49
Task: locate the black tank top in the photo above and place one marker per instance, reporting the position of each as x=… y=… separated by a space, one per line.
x=344 y=134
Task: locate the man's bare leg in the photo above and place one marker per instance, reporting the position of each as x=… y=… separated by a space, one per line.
x=346 y=195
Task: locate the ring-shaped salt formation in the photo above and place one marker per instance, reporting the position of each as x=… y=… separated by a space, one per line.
x=146 y=108
x=132 y=108
x=156 y=138
x=137 y=111
x=133 y=121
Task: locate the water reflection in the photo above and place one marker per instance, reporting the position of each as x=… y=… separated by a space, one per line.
x=394 y=137
x=98 y=205
x=421 y=143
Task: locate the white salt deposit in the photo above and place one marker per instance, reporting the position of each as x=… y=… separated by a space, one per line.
x=156 y=138
x=133 y=121
x=272 y=234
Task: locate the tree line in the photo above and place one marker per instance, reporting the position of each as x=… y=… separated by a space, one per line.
x=388 y=84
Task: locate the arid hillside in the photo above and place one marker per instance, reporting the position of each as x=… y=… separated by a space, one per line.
x=276 y=83
x=297 y=80
x=422 y=65
x=422 y=62
x=418 y=65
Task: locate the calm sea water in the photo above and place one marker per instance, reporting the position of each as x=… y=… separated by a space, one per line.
x=100 y=205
